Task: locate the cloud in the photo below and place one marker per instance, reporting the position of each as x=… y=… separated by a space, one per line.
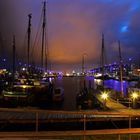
x=75 y=27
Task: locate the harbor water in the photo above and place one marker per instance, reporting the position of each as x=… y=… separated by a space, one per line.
x=72 y=85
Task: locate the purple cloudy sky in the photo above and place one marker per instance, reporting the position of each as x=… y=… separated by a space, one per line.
x=75 y=27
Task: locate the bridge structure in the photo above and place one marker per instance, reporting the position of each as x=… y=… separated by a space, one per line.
x=112 y=69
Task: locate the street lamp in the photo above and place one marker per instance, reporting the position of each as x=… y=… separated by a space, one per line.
x=104 y=96
x=134 y=96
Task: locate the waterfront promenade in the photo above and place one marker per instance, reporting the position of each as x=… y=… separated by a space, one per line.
x=114 y=105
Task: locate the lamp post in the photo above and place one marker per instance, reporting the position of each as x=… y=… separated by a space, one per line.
x=83 y=63
x=134 y=96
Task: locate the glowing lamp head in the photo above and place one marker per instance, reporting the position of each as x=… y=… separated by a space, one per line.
x=104 y=95
x=134 y=95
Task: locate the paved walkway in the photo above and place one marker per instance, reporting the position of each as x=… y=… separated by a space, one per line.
x=116 y=106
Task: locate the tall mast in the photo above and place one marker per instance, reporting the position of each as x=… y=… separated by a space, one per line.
x=102 y=58
x=46 y=42
x=43 y=35
x=121 y=80
x=29 y=36
x=14 y=57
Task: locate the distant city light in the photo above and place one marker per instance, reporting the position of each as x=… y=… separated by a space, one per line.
x=78 y=74
x=23 y=69
x=73 y=71
x=50 y=72
x=4 y=59
x=67 y=74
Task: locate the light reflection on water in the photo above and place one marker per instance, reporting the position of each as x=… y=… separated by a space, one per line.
x=116 y=85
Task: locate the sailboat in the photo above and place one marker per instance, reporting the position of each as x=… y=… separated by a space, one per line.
x=34 y=92
x=16 y=93
x=102 y=76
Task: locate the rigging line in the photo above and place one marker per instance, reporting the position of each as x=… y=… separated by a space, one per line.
x=37 y=34
x=46 y=59
x=23 y=56
x=36 y=49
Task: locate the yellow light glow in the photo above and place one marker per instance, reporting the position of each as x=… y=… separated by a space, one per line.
x=24 y=86
x=134 y=95
x=98 y=81
x=104 y=96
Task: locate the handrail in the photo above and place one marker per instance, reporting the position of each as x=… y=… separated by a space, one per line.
x=83 y=114
x=89 y=112
x=70 y=133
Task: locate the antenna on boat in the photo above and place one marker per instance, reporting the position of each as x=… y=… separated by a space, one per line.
x=29 y=36
x=14 y=57
x=121 y=79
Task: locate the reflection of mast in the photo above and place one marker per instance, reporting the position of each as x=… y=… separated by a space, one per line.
x=121 y=80
x=14 y=50
x=43 y=35
x=29 y=36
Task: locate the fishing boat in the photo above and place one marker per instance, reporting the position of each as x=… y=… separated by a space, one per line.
x=85 y=98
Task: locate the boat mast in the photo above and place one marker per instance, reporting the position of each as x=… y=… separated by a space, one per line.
x=29 y=36
x=121 y=79
x=43 y=35
x=14 y=58
x=102 y=58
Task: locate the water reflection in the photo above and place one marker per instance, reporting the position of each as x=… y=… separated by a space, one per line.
x=116 y=85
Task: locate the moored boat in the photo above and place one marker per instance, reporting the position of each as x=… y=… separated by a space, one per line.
x=17 y=95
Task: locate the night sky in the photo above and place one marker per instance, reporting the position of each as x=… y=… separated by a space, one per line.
x=75 y=28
